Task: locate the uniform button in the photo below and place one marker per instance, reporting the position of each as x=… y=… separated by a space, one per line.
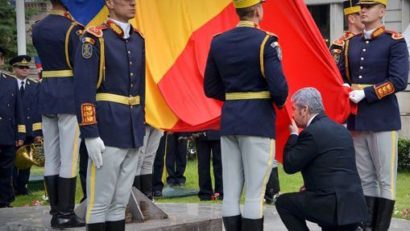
x=367 y=42
x=132 y=74
x=1 y=118
x=8 y=105
x=130 y=63
x=364 y=50
x=361 y=68
x=360 y=76
x=361 y=58
x=28 y=117
x=129 y=52
x=132 y=85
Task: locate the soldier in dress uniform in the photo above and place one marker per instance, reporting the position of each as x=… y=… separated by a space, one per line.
x=376 y=66
x=351 y=10
x=56 y=37
x=248 y=83
x=29 y=90
x=12 y=131
x=110 y=91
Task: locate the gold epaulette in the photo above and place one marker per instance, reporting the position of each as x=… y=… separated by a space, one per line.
x=33 y=80
x=97 y=31
x=339 y=42
x=7 y=74
x=395 y=35
x=271 y=34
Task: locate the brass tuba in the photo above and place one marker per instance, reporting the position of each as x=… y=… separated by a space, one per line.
x=29 y=155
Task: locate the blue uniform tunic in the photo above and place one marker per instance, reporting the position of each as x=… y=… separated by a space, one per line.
x=31 y=108
x=12 y=126
x=106 y=63
x=380 y=66
x=242 y=60
x=57 y=58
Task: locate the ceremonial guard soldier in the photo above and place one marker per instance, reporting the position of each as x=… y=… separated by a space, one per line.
x=375 y=64
x=29 y=90
x=351 y=10
x=12 y=132
x=110 y=90
x=56 y=37
x=249 y=83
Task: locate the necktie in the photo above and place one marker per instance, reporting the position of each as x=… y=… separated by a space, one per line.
x=22 y=88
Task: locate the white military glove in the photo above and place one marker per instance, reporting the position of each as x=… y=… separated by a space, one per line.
x=346 y=85
x=356 y=96
x=95 y=148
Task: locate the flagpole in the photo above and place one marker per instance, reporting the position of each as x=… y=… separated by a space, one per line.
x=21 y=27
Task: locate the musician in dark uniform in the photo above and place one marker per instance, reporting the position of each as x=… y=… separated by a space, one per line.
x=351 y=11
x=56 y=38
x=29 y=89
x=376 y=66
x=12 y=131
x=110 y=91
x=249 y=83
x=208 y=146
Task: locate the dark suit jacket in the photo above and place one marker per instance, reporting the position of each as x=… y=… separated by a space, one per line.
x=325 y=155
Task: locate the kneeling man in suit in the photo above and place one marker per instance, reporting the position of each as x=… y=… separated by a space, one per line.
x=324 y=153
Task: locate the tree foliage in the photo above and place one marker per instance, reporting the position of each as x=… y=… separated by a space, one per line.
x=8 y=30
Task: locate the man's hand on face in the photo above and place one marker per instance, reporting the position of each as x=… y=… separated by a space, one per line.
x=293 y=128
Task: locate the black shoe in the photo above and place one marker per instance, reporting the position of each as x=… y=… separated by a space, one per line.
x=232 y=223
x=96 y=227
x=66 y=217
x=371 y=213
x=146 y=185
x=51 y=184
x=137 y=182
x=385 y=209
x=115 y=225
x=252 y=224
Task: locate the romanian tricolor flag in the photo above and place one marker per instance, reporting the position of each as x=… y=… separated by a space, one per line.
x=178 y=35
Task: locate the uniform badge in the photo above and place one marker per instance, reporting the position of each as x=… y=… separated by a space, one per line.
x=87 y=50
x=276 y=46
x=336 y=54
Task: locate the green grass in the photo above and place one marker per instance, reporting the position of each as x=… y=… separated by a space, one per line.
x=288 y=183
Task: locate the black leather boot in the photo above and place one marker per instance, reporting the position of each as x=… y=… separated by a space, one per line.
x=146 y=185
x=96 y=227
x=51 y=183
x=385 y=209
x=371 y=213
x=115 y=225
x=232 y=223
x=66 y=217
x=272 y=187
x=252 y=224
x=137 y=182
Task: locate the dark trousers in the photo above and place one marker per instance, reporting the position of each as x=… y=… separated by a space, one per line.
x=294 y=213
x=158 y=167
x=22 y=176
x=83 y=169
x=176 y=159
x=207 y=149
x=7 y=162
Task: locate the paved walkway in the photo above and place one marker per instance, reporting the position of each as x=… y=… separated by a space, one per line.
x=200 y=217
